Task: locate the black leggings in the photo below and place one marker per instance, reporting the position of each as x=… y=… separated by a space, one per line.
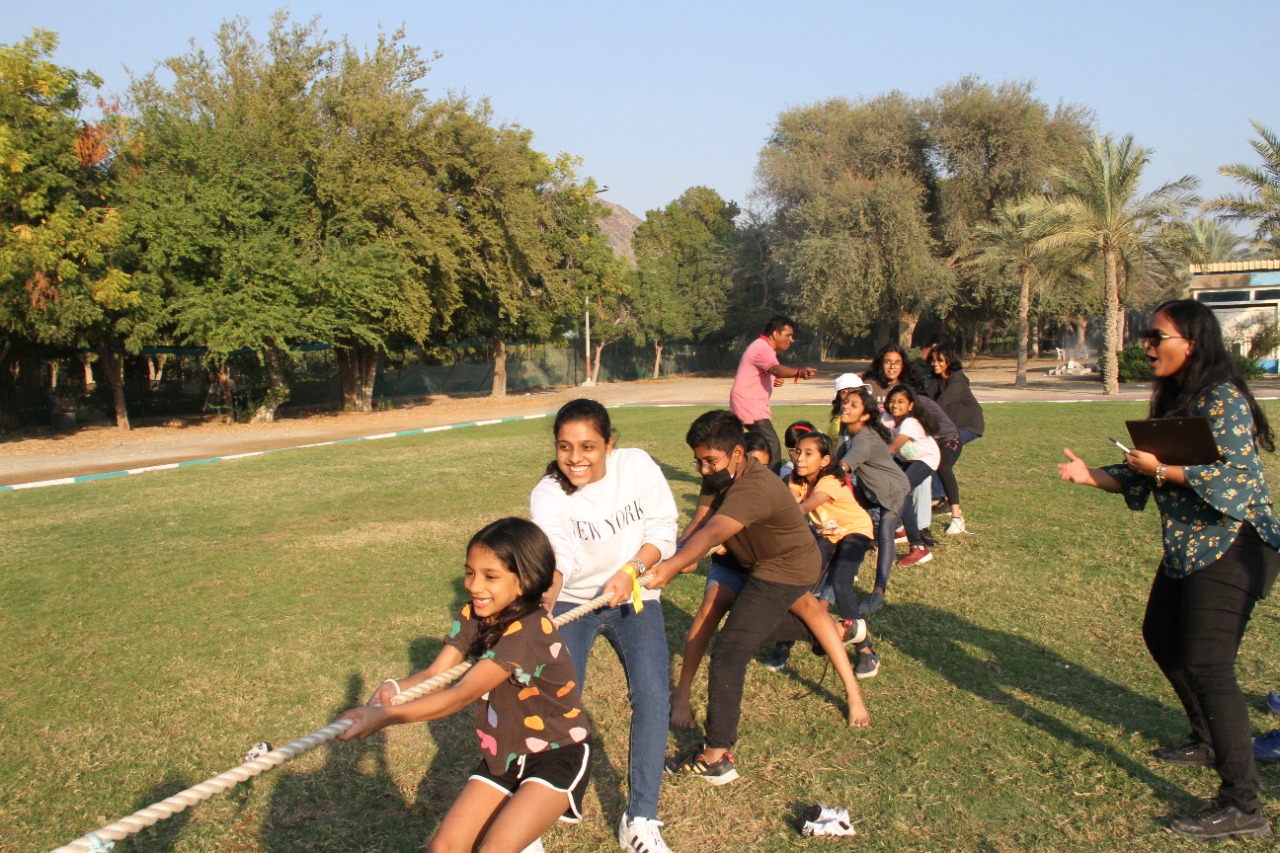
x=1193 y=627
x=950 y=451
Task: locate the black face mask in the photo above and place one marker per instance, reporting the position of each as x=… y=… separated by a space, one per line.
x=717 y=481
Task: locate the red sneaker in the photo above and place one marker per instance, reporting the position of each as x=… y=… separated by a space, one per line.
x=917 y=554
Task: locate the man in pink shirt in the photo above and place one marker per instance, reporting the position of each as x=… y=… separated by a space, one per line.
x=759 y=372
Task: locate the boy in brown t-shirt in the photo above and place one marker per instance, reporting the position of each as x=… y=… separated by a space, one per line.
x=759 y=522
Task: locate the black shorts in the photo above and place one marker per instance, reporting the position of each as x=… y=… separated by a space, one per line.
x=567 y=769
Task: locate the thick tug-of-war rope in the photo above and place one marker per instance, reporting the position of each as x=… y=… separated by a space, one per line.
x=103 y=839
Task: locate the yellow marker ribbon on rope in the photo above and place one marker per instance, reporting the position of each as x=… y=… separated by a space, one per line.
x=636 y=601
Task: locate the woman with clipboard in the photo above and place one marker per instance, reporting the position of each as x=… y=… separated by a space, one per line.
x=1220 y=555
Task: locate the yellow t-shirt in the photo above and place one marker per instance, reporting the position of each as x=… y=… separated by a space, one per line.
x=839 y=517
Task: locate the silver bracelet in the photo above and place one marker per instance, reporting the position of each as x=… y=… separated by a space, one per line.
x=1160 y=472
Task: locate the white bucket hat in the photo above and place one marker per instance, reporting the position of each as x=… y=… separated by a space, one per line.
x=846 y=380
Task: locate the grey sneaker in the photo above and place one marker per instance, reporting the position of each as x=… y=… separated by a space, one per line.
x=871 y=604
x=868 y=664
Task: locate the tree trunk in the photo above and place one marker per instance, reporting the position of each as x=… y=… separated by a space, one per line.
x=822 y=340
x=1035 y=339
x=1082 y=334
x=357 y=370
x=1111 y=327
x=227 y=387
x=499 y=368
x=86 y=358
x=278 y=391
x=115 y=376
x=882 y=333
x=595 y=368
x=907 y=322
x=10 y=415
x=657 y=359
x=1024 y=322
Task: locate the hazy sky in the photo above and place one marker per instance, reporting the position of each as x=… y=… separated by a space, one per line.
x=660 y=96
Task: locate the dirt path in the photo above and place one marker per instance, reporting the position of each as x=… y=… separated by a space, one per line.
x=40 y=456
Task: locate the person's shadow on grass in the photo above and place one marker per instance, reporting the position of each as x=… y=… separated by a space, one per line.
x=999 y=668
x=350 y=803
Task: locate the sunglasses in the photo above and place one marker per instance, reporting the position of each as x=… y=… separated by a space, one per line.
x=1155 y=336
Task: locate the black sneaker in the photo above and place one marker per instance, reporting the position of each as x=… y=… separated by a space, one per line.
x=871 y=604
x=1217 y=820
x=721 y=772
x=778 y=657
x=927 y=538
x=1191 y=752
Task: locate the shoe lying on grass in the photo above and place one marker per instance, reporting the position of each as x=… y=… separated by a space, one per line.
x=1190 y=752
x=827 y=827
x=1219 y=820
x=821 y=814
x=1267 y=747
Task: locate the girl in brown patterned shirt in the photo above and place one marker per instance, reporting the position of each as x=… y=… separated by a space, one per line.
x=529 y=718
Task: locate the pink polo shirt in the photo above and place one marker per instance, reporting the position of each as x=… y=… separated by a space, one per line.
x=753 y=384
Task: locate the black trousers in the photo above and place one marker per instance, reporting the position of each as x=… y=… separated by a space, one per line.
x=1193 y=627
x=756 y=612
x=765 y=429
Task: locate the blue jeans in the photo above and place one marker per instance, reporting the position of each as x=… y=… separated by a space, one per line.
x=640 y=639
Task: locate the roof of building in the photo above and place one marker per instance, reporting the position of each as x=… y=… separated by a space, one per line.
x=1258 y=265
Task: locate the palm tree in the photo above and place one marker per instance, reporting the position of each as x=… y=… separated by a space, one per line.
x=1210 y=242
x=1010 y=242
x=1097 y=209
x=1262 y=203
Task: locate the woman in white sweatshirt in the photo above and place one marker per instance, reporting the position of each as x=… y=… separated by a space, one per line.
x=610 y=514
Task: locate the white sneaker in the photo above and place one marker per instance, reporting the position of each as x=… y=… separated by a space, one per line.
x=956 y=525
x=641 y=835
x=827 y=827
x=535 y=847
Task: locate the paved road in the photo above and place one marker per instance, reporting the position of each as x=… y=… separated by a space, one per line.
x=96 y=450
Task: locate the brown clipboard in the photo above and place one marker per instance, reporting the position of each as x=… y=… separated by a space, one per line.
x=1175 y=441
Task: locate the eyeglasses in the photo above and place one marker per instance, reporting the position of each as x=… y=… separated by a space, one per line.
x=1155 y=336
x=704 y=467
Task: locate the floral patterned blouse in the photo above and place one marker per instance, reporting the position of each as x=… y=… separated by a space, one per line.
x=1200 y=521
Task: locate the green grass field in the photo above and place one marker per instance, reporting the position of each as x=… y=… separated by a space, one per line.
x=154 y=627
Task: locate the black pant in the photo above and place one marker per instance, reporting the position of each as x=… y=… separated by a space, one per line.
x=757 y=610
x=1193 y=627
x=841 y=561
x=765 y=428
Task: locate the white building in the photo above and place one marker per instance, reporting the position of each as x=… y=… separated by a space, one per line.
x=1242 y=294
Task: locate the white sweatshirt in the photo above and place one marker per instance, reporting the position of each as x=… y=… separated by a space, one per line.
x=602 y=525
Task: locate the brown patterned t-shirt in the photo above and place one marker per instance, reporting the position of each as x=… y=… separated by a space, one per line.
x=538 y=708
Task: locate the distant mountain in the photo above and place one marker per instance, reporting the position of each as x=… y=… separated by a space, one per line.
x=619 y=227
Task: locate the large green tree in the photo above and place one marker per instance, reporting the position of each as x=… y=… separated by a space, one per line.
x=851 y=190
x=685 y=254
x=1098 y=210
x=496 y=185
x=63 y=280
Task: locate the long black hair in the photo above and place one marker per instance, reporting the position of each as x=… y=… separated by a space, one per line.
x=872 y=408
x=522 y=547
x=875 y=370
x=920 y=413
x=950 y=355
x=1208 y=364
x=581 y=409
